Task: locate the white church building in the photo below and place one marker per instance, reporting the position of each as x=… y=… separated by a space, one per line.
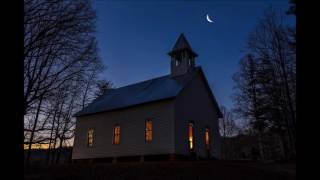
x=174 y=116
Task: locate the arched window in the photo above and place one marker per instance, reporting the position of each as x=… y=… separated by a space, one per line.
x=116 y=134
x=191 y=136
x=148 y=132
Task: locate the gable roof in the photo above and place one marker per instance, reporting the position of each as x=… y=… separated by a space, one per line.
x=156 y=89
x=161 y=88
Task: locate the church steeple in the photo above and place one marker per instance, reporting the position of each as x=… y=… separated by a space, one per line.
x=182 y=57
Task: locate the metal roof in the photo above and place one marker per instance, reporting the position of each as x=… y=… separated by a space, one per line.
x=160 y=88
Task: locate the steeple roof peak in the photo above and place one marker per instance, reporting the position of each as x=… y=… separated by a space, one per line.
x=182 y=44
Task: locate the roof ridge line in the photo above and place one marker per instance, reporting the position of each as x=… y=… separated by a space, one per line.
x=142 y=81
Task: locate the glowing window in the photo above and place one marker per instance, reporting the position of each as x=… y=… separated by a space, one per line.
x=189 y=62
x=207 y=138
x=116 y=135
x=191 y=136
x=90 y=138
x=148 y=132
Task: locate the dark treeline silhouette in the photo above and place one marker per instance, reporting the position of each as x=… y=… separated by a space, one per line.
x=228 y=129
x=265 y=90
x=61 y=67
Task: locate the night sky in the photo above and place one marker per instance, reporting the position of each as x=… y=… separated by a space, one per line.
x=134 y=37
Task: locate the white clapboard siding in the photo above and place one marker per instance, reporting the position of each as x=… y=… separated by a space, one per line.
x=132 y=138
x=195 y=104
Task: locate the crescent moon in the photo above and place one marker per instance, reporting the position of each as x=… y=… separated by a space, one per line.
x=208 y=19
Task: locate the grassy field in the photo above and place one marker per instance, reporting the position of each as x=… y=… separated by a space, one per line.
x=186 y=170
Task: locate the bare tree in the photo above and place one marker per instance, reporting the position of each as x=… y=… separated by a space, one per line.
x=248 y=97
x=292 y=8
x=102 y=87
x=272 y=43
x=60 y=50
x=58 y=44
x=228 y=128
x=265 y=88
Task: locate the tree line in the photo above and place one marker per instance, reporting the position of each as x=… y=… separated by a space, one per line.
x=61 y=71
x=265 y=85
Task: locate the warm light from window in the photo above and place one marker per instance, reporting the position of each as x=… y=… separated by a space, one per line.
x=207 y=138
x=36 y=146
x=148 y=131
x=90 y=138
x=191 y=136
x=116 y=135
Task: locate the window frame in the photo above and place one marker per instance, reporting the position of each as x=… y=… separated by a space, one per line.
x=191 y=149
x=207 y=146
x=115 y=135
x=177 y=62
x=146 y=130
x=90 y=145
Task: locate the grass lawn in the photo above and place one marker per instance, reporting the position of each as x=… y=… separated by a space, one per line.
x=184 y=170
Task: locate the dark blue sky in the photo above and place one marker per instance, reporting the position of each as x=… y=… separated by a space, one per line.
x=135 y=36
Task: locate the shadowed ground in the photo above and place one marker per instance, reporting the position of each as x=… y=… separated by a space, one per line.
x=187 y=170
